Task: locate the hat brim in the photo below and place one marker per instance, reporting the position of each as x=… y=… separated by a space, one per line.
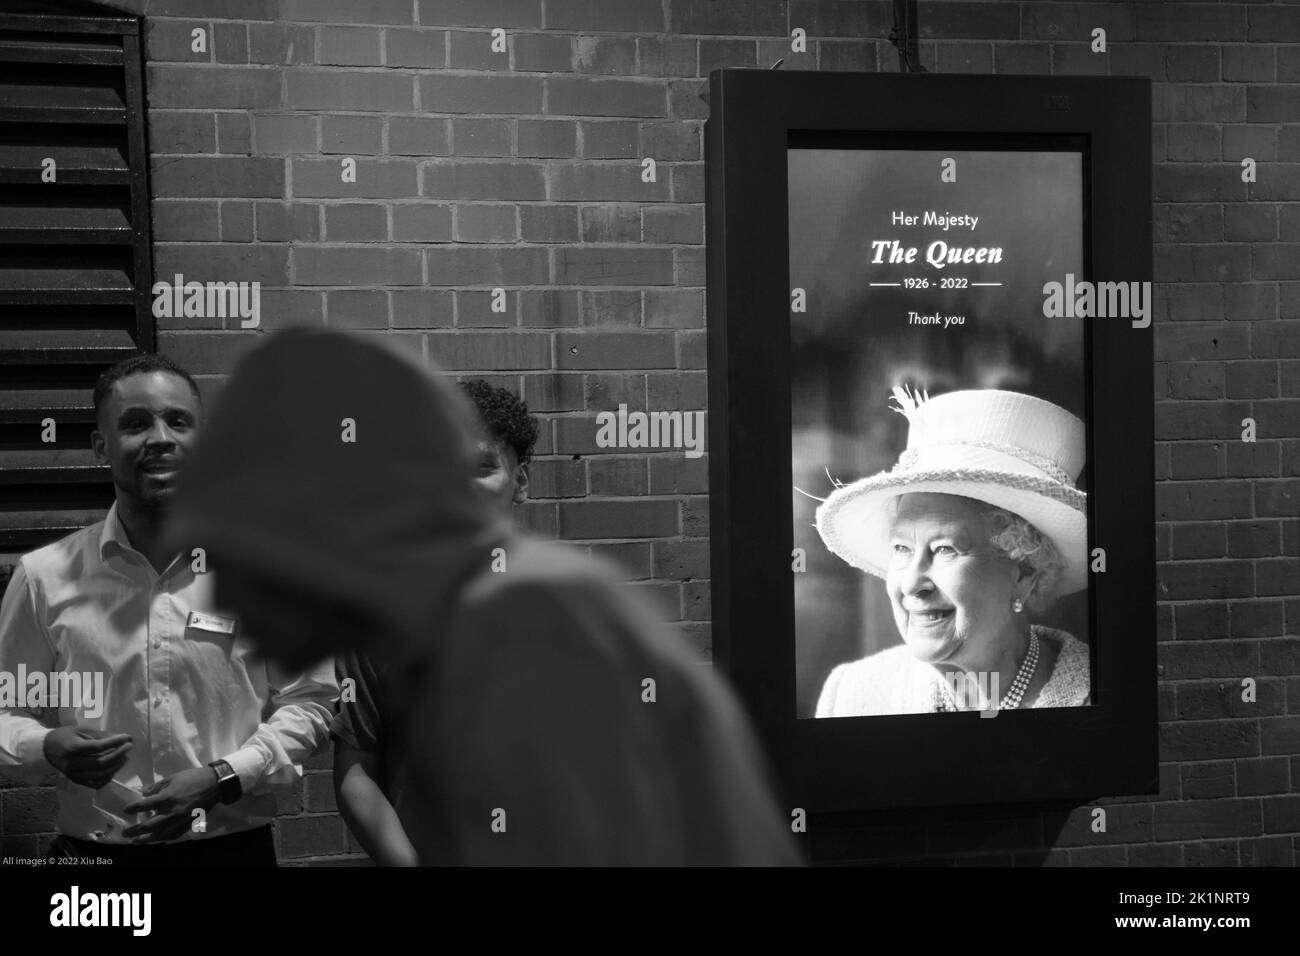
x=855 y=520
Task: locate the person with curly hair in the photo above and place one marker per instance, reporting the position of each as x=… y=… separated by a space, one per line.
x=366 y=784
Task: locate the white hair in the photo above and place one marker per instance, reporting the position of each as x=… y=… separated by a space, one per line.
x=1021 y=542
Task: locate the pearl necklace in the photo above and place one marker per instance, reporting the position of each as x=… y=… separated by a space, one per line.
x=1011 y=700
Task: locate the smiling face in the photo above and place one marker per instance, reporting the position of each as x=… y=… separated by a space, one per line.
x=146 y=430
x=950 y=588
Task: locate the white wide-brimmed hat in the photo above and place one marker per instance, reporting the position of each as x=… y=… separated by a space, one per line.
x=1013 y=451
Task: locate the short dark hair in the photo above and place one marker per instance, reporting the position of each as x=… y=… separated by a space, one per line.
x=139 y=365
x=505 y=415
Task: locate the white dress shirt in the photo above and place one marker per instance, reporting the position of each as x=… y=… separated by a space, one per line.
x=176 y=673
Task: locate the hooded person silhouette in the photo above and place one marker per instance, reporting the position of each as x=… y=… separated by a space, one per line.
x=549 y=717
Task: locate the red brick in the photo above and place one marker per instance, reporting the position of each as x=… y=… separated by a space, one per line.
x=1267 y=775
x=356 y=265
x=1202 y=263
x=681 y=560
x=617 y=350
x=277 y=133
x=1279 y=499
x=716 y=54
x=1267 y=851
x=308 y=836
x=553 y=392
x=231 y=42
x=1176 y=420
x=481 y=137
x=667 y=224
x=1189 y=21
x=1280 y=735
x=1207 y=781
x=474 y=310
x=612 y=266
x=348 y=46
x=691 y=350
x=1250 y=64
x=237 y=222
x=1192 y=64
x=218 y=176
x=1195 y=183
x=345 y=11
x=357 y=308
x=481 y=13
x=547 y=138
x=611 y=309
x=967 y=58
x=610 y=140
x=1276 y=339
x=205 y=262
x=1273 y=25
x=574 y=96
x=1253 y=221
x=557 y=479
x=184 y=221
x=203 y=353
x=624 y=16
x=1254 y=459
x=673 y=475
x=486 y=223
x=1189 y=302
x=543 y=53
x=605 y=55
x=212 y=87
x=631 y=557
x=1199 y=540
x=550 y=309
x=618 y=519
x=1256 y=618
x=418 y=136
x=617 y=477
x=684 y=99
x=610 y=223
x=421 y=308
x=282 y=308
x=173 y=40
x=440 y=93
x=1279 y=577
x=483 y=180
x=490 y=351
x=1202 y=621
x=278 y=44
x=1192 y=143
x=549 y=223
x=175 y=132
x=1208 y=740
x=604 y=182
x=860 y=57
x=1251 y=539
x=352 y=135
x=668 y=56
x=347 y=90
x=477 y=51
x=507 y=267
x=425 y=49
x=676 y=309
x=282 y=222
x=1175 y=103
x=1199 y=380
x=356 y=222
x=607 y=392
x=421 y=222
x=1207 y=700
x=1204 y=580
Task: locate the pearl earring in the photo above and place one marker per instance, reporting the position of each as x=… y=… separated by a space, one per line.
x=1017 y=605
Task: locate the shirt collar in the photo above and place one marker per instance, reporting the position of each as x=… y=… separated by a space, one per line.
x=112 y=533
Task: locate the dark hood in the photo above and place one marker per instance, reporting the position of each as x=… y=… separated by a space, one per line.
x=389 y=523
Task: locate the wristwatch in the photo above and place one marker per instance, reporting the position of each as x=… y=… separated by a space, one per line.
x=229 y=789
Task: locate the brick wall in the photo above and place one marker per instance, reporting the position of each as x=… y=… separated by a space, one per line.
x=522 y=170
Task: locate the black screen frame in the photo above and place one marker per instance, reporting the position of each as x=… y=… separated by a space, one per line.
x=846 y=764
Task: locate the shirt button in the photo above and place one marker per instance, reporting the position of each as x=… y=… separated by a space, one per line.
x=157 y=701
x=157 y=644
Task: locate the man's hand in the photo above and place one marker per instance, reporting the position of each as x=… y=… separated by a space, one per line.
x=86 y=757
x=174 y=800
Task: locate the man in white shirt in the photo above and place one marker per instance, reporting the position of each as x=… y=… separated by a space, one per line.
x=165 y=753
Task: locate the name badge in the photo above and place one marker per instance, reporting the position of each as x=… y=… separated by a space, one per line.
x=211 y=622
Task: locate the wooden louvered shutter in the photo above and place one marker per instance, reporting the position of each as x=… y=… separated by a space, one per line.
x=75 y=268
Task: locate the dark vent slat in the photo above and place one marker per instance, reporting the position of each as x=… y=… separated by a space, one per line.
x=61 y=104
x=64 y=52
x=30 y=281
x=41 y=465
x=74 y=165
x=30 y=405
x=64 y=224
x=68 y=346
